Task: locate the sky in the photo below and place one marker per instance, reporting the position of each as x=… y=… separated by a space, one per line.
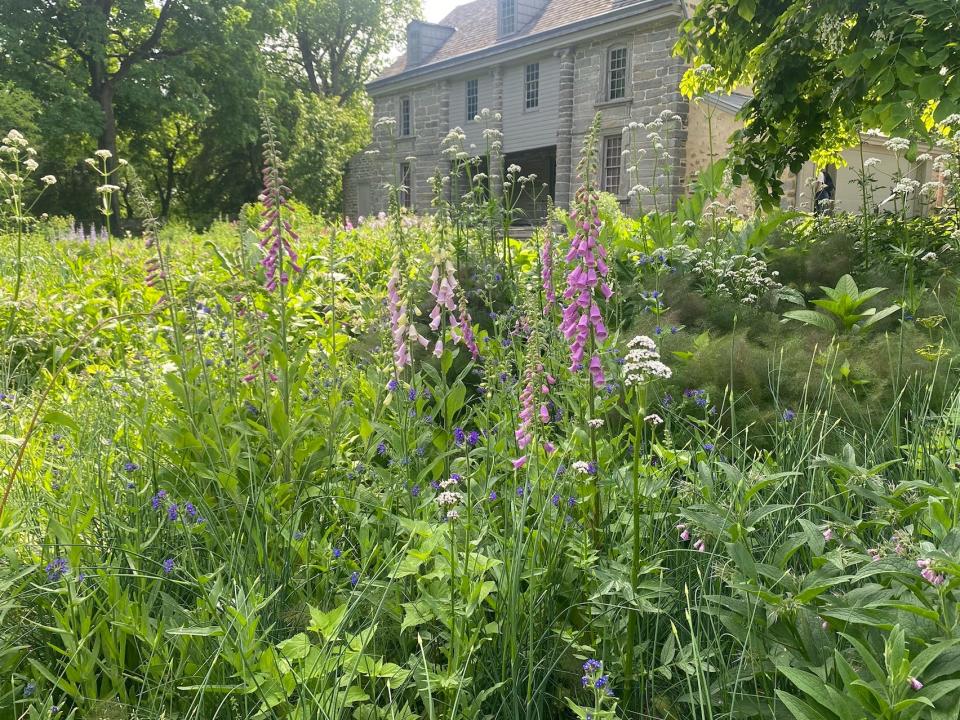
x=436 y=10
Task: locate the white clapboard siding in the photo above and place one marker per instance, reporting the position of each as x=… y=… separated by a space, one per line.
x=527 y=129
x=458 y=107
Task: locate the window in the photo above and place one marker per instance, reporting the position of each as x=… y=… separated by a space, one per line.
x=617 y=74
x=508 y=16
x=405 y=124
x=406 y=185
x=610 y=176
x=473 y=94
x=531 y=86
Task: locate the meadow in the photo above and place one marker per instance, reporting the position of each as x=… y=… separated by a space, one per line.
x=686 y=464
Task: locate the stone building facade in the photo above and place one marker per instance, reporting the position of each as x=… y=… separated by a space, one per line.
x=543 y=69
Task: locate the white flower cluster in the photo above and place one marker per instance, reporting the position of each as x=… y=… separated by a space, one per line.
x=642 y=363
x=449 y=498
x=742 y=277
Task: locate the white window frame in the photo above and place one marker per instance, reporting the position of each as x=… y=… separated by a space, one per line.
x=406 y=185
x=531 y=86
x=605 y=166
x=475 y=82
x=507 y=21
x=408 y=130
x=608 y=74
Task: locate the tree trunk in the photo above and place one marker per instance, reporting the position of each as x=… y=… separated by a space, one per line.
x=108 y=141
x=306 y=56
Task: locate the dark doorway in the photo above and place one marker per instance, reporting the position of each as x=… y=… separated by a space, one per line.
x=531 y=202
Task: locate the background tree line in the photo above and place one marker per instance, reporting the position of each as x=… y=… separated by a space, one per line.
x=172 y=86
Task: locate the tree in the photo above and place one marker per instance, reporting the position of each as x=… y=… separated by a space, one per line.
x=103 y=44
x=339 y=45
x=823 y=71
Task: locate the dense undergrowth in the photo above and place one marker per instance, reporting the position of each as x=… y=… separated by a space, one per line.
x=613 y=480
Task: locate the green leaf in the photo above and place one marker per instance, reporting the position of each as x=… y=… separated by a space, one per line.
x=57 y=417
x=811 y=317
x=799 y=709
x=747 y=9
x=327 y=624
x=296 y=647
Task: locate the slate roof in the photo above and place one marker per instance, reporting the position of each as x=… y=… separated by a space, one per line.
x=475 y=26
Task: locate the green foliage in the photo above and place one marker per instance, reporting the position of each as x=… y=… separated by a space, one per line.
x=821 y=72
x=325 y=135
x=842 y=308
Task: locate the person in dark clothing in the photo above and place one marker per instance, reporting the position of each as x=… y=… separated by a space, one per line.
x=826 y=191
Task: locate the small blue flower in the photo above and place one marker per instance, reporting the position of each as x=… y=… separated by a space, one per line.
x=130 y=466
x=354 y=578
x=337 y=552
x=190 y=510
x=393 y=385
x=789 y=415
x=708 y=447
x=29 y=689
x=412 y=394
x=458 y=436
x=157 y=500
x=473 y=437
x=57 y=568
x=382 y=448
x=415 y=491
x=493 y=495
x=168 y=566
x=173 y=512
x=555 y=500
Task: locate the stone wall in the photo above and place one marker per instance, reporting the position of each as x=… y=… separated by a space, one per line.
x=652 y=89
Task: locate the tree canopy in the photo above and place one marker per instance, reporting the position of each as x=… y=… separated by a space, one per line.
x=823 y=71
x=172 y=86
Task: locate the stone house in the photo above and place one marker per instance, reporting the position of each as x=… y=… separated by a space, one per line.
x=543 y=68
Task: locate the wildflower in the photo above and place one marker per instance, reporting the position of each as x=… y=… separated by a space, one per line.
x=412 y=394
x=29 y=689
x=57 y=568
x=519 y=462
x=277 y=231
x=402 y=330
x=393 y=385
x=642 y=362
x=708 y=447
x=828 y=534
x=493 y=495
x=699 y=545
x=546 y=273
x=549 y=447
x=130 y=466
x=190 y=509
x=915 y=684
x=173 y=512
x=555 y=500
x=444 y=283
x=473 y=437
x=158 y=499
x=103 y=154
x=381 y=448
x=653 y=419
x=354 y=578
x=337 y=552
x=581 y=317
x=461 y=330
x=789 y=415
x=48 y=180
x=458 y=436
x=595 y=423
x=168 y=566
x=415 y=491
